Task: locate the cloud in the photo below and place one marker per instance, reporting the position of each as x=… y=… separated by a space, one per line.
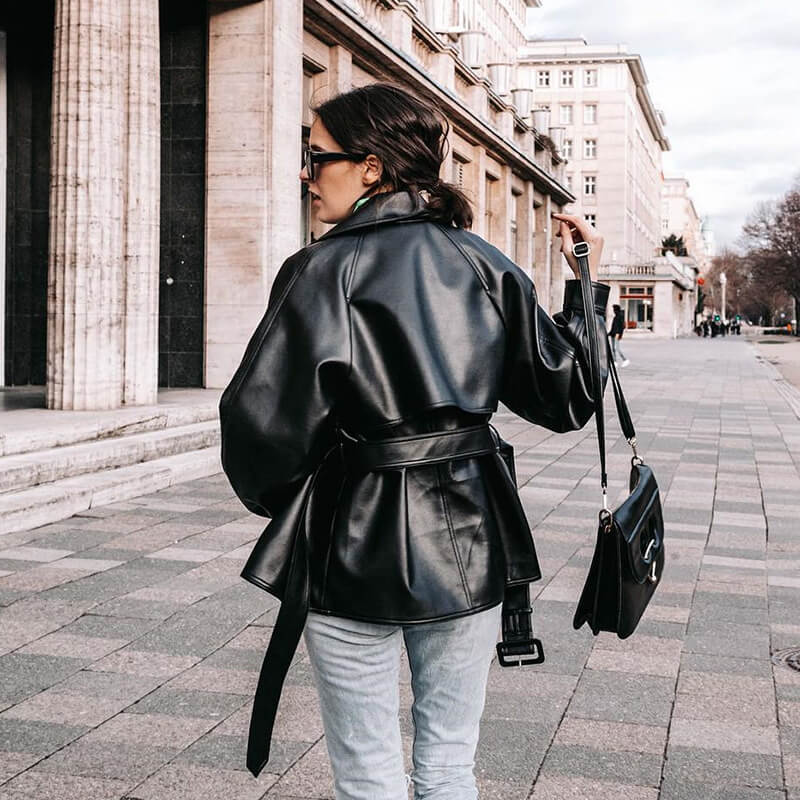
x=725 y=75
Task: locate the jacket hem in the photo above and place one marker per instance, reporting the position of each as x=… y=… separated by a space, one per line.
x=261 y=584
x=521 y=581
x=391 y=621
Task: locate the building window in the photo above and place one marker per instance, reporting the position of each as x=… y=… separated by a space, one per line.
x=543 y=77
x=458 y=173
x=590 y=184
x=637 y=304
x=514 y=248
x=591 y=219
x=567 y=78
x=566 y=150
x=590 y=113
x=590 y=77
x=565 y=115
x=568 y=181
x=490 y=221
x=590 y=148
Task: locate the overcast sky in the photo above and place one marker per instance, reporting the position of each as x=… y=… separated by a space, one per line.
x=725 y=73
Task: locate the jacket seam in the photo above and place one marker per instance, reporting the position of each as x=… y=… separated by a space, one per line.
x=477 y=272
x=347 y=297
x=451 y=531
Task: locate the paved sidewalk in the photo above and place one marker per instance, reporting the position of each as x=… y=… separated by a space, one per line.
x=784 y=353
x=129 y=646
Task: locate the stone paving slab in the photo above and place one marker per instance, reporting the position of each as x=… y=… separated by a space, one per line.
x=130 y=646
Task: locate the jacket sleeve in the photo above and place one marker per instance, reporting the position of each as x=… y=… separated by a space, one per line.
x=277 y=413
x=546 y=377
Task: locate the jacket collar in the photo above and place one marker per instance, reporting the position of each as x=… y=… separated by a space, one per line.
x=387 y=207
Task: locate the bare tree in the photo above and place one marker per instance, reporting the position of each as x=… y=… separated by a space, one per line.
x=771 y=237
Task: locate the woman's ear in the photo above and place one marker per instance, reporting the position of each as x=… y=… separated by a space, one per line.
x=372 y=169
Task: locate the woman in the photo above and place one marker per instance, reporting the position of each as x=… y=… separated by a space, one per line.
x=357 y=421
x=617 y=329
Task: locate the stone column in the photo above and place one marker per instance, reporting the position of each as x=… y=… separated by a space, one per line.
x=526 y=229
x=398 y=23
x=340 y=70
x=443 y=67
x=255 y=75
x=505 y=211
x=102 y=338
x=141 y=218
x=479 y=206
x=543 y=252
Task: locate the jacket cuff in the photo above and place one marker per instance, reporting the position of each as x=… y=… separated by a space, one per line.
x=573 y=296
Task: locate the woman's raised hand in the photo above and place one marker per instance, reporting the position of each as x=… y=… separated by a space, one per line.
x=571 y=229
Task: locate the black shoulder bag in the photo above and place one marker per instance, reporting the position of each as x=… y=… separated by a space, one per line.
x=629 y=554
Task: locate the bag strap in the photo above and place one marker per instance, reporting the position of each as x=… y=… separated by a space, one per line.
x=581 y=251
x=625 y=421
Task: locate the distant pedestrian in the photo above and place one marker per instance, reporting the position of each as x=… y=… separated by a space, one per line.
x=617 y=329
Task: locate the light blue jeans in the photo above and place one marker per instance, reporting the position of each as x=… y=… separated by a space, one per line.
x=356 y=667
x=616 y=348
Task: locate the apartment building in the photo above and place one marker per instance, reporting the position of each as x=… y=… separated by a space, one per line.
x=613 y=139
x=679 y=217
x=144 y=257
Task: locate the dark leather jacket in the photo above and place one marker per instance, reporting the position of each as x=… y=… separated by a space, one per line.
x=391 y=324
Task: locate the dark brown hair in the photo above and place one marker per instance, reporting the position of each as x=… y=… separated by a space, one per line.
x=408 y=135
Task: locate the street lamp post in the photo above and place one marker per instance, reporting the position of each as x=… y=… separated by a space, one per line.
x=723 y=282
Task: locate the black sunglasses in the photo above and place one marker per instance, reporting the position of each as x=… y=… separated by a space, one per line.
x=311 y=157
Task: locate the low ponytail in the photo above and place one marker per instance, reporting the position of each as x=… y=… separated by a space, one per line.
x=448 y=204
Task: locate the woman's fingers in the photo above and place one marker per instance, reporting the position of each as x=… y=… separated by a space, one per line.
x=573 y=228
x=566 y=244
x=565 y=232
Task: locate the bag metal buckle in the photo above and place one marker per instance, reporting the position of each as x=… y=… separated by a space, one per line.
x=580 y=249
x=651 y=575
x=637 y=459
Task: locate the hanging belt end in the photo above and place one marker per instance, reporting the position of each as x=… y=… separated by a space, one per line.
x=519 y=647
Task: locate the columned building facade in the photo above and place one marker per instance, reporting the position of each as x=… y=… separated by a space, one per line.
x=150 y=154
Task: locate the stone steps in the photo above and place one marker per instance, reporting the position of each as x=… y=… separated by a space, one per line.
x=58 y=464
x=23 y=471
x=40 y=429
x=57 y=500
